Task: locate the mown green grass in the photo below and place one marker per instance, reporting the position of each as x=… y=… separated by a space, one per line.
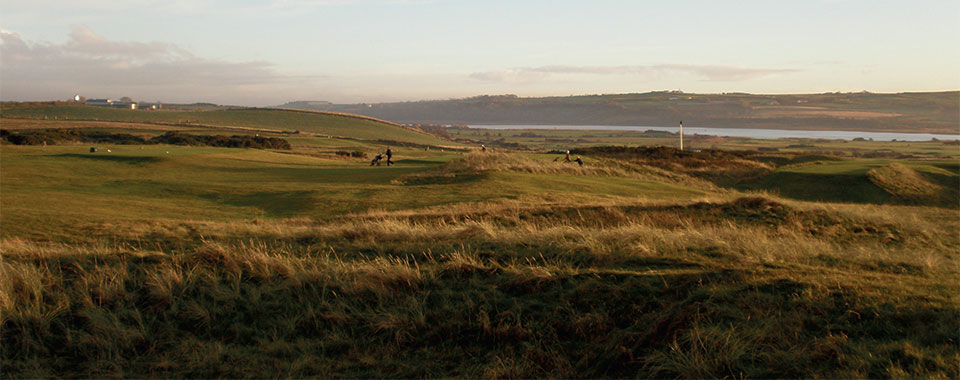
x=172 y=182
x=216 y=262
x=176 y=182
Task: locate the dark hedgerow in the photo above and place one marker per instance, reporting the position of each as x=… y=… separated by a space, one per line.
x=176 y=138
x=355 y=154
x=54 y=136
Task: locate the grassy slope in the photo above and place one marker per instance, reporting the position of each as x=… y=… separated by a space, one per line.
x=848 y=181
x=209 y=262
x=280 y=120
x=149 y=182
x=841 y=177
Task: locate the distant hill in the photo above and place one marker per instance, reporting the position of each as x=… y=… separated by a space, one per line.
x=935 y=112
x=307 y=104
x=280 y=120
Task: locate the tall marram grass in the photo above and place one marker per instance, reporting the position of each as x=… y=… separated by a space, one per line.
x=491 y=161
x=748 y=288
x=908 y=186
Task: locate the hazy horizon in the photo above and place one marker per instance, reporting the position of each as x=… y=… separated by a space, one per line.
x=368 y=51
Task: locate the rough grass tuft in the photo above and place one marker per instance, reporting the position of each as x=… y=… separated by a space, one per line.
x=906 y=185
x=468 y=166
x=752 y=287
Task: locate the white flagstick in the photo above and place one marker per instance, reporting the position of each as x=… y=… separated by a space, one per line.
x=681 y=135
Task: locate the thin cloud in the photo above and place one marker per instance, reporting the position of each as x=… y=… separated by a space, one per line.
x=285 y=6
x=95 y=65
x=707 y=72
x=518 y=76
x=84 y=41
x=599 y=70
x=724 y=73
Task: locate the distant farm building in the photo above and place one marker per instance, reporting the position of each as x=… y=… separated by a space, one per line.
x=111 y=103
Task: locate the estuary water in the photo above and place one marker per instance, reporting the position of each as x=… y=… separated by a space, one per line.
x=752 y=133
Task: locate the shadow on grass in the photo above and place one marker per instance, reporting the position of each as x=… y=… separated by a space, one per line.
x=131 y=160
x=820 y=187
x=442 y=179
x=951 y=167
x=418 y=162
x=273 y=203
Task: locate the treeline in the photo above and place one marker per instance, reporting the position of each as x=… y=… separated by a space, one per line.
x=434 y=129
x=58 y=136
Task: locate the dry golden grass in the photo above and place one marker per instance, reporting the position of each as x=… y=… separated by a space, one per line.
x=768 y=231
x=904 y=183
x=477 y=162
x=505 y=289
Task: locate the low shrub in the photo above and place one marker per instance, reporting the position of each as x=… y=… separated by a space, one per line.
x=355 y=154
x=55 y=136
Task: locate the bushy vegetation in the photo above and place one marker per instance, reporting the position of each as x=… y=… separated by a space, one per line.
x=238 y=141
x=434 y=129
x=55 y=136
x=60 y=135
x=354 y=154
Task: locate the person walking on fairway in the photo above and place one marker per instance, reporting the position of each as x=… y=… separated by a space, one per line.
x=567 y=158
x=389 y=156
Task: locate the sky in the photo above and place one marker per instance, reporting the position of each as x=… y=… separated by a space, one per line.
x=263 y=53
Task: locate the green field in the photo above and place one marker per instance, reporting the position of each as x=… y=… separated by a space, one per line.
x=260 y=118
x=172 y=182
x=168 y=261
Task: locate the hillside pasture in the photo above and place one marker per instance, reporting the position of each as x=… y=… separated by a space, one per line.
x=337 y=125
x=174 y=182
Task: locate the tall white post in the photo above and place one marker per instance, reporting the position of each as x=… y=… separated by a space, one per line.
x=681 y=135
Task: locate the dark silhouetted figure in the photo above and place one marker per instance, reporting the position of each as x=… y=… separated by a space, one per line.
x=579 y=161
x=389 y=156
x=483 y=148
